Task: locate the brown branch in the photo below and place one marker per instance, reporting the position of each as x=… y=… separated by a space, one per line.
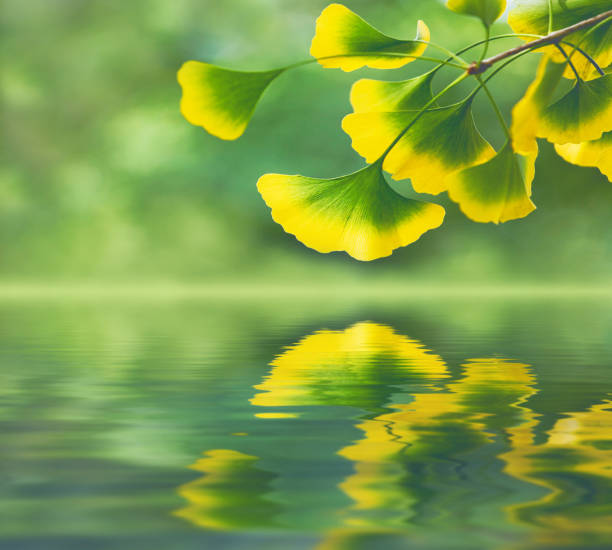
x=552 y=38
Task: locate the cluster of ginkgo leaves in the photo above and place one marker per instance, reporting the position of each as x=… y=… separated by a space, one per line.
x=402 y=127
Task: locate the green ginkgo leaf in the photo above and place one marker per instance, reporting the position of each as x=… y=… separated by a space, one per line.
x=358 y=213
x=582 y=114
x=442 y=141
x=596 y=153
x=378 y=95
x=341 y=35
x=526 y=113
x=497 y=190
x=531 y=17
x=488 y=10
x=220 y=100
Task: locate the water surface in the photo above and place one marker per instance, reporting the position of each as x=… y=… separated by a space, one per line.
x=306 y=423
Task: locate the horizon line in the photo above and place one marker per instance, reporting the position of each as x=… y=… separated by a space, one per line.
x=339 y=289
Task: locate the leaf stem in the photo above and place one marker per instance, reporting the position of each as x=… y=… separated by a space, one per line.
x=586 y=55
x=582 y=39
x=502 y=67
x=452 y=55
x=495 y=106
x=550 y=16
x=567 y=57
x=491 y=75
x=486 y=43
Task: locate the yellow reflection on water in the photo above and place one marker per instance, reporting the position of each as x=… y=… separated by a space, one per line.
x=574 y=463
x=231 y=482
x=401 y=445
x=432 y=438
x=329 y=366
x=277 y=415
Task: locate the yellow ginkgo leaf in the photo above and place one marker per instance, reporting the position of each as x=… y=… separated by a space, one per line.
x=582 y=114
x=341 y=37
x=487 y=10
x=358 y=213
x=496 y=191
x=441 y=142
x=220 y=100
x=384 y=96
x=526 y=113
x=596 y=153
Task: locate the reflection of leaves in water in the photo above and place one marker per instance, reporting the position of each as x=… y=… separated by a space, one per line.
x=428 y=443
x=231 y=494
x=357 y=367
x=575 y=465
x=405 y=457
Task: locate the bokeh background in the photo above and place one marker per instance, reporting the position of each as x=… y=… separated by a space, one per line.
x=103 y=180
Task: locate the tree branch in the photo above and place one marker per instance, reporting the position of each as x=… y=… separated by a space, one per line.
x=552 y=38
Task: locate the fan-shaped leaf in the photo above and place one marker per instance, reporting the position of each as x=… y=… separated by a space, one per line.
x=442 y=141
x=358 y=213
x=341 y=32
x=531 y=17
x=220 y=100
x=596 y=153
x=526 y=112
x=497 y=190
x=379 y=95
x=487 y=10
x=582 y=114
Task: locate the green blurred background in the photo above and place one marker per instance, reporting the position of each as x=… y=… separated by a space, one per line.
x=103 y=180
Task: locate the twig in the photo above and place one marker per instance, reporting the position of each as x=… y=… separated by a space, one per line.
x=552 y=38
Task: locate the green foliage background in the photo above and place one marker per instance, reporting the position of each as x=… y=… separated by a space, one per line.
x=102 y=179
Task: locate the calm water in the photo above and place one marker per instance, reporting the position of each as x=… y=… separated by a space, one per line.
x=306 y=424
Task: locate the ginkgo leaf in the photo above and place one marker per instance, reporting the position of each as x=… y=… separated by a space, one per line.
x=341 y=35
x=442 y=141
x=220 y=100
x=596 y=153
x=378 y=95
x=526 y=112
x=531 y=17
x=488 y=10
x=582 y=114
x=358 y=213
x=497 y=190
